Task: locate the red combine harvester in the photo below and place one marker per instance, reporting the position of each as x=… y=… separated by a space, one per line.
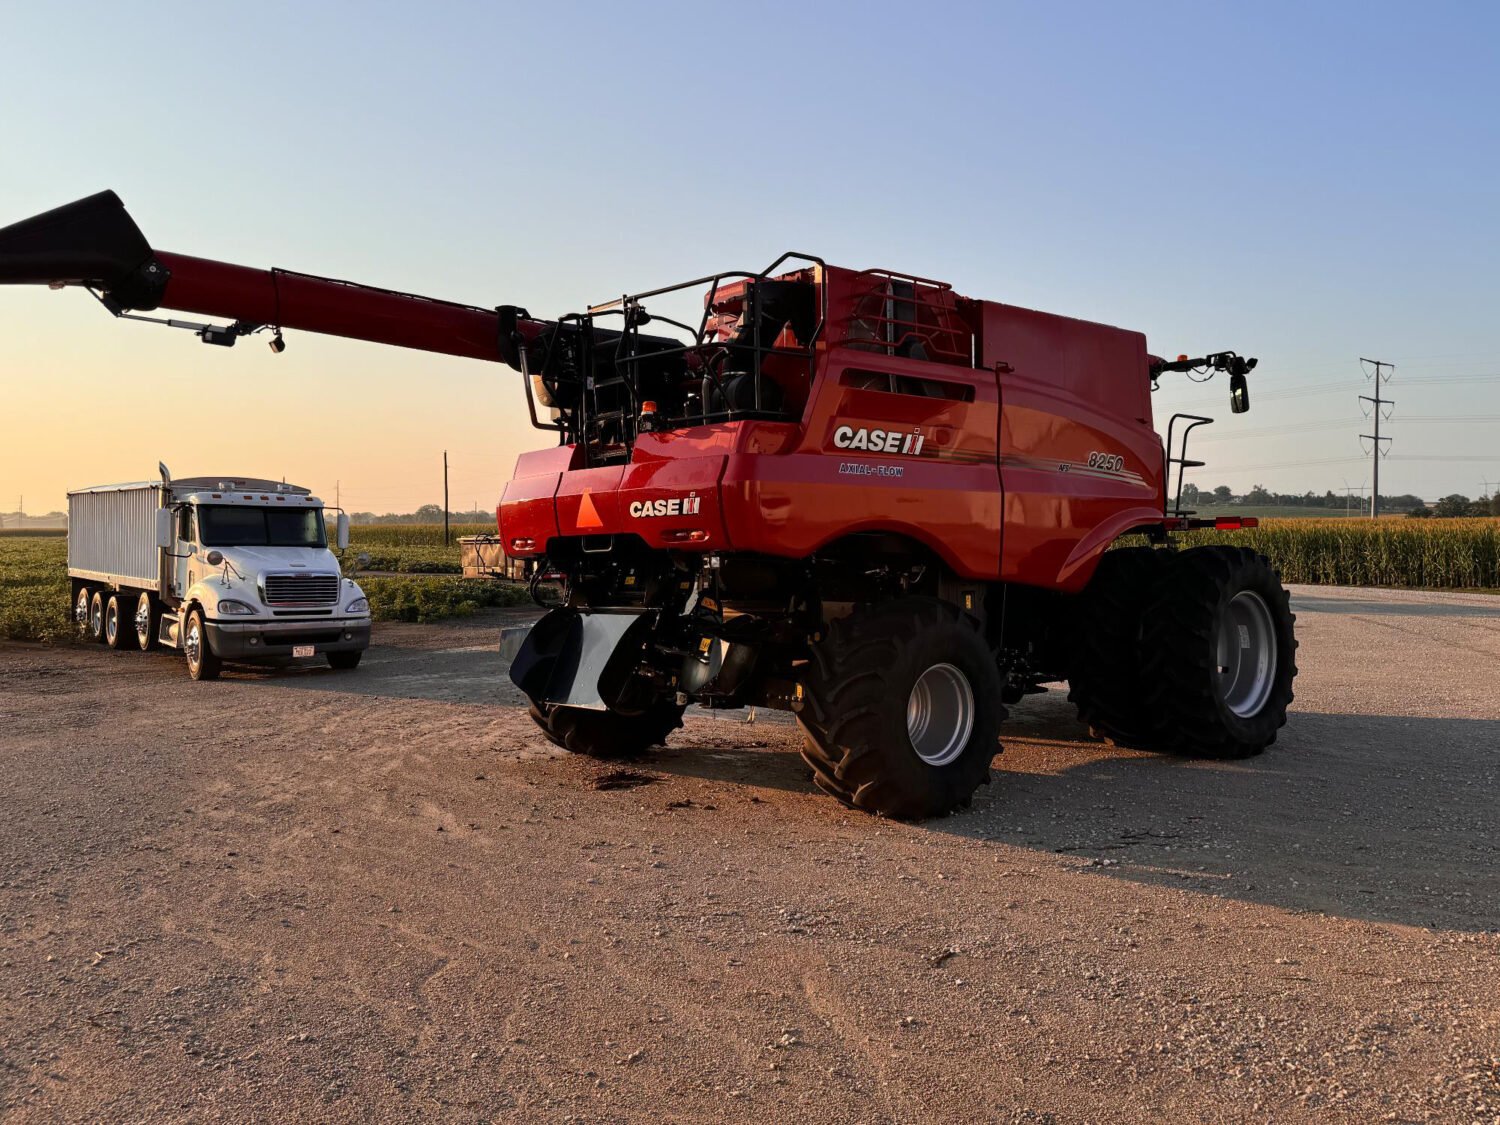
x=853 y=494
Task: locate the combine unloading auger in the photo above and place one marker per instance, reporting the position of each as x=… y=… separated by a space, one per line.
x=94 y=243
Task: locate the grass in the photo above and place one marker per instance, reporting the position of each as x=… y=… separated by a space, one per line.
x=34 y=592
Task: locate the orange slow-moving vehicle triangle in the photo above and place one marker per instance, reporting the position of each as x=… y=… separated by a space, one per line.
x=588 y=515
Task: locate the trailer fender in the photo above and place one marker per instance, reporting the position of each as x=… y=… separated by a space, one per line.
x=579 y=658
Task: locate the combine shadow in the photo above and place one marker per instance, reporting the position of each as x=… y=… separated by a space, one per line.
x=1377 y=817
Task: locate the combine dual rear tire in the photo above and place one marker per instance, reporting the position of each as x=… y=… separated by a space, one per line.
x=609 y=735
x=1218 y=652
x=1106 y=680
x=901 y=709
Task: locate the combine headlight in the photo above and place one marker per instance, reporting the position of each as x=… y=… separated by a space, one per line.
x=358 y=605
x=232 y=608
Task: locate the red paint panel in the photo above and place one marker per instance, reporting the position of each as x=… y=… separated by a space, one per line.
x=1079 y=458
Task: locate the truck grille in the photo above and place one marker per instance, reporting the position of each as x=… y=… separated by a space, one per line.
x=301 y=589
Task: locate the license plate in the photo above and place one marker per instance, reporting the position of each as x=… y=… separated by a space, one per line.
x=304 y=650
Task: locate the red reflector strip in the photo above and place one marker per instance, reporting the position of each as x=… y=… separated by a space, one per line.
x=1235 y=523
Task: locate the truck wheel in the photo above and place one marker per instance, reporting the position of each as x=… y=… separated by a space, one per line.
x=81 y=611
x=344 y=661
x=201 y=661
x=606 y=734
x=95 y=628
x=1104 y=678
x=901 y=709
x=1219 y=654
x=119 y=626
x=147 y=621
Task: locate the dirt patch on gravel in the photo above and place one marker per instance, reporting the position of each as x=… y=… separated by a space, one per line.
x=379 y=895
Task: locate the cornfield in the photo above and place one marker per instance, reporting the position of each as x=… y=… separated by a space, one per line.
x=1431 y=553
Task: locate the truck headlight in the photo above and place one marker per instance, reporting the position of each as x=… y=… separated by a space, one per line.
x=358 y=605
x=233 y=608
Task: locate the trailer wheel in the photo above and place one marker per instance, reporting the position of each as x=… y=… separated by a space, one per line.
x=95 y=628
x=901 y=709
x=606 y=734
x=344 y=661
x=1104 y=678
x=201 y=661
x=81 y=611
x=119 y=628
x=1219 y=653
x=147 y=621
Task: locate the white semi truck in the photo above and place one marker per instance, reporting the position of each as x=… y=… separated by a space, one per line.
x=220 y=568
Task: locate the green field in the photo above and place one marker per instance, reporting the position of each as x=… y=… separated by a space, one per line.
x=1421 y=554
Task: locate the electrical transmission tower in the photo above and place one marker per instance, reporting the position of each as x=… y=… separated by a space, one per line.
x=1376 y=450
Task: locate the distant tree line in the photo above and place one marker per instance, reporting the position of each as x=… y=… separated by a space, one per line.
x=1260 y=496
x=427 y=513
x=1458 y=506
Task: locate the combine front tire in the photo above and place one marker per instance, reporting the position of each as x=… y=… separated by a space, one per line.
x=1104 y=679
x=606 y=734
x=901 y=709
x=1219 y=652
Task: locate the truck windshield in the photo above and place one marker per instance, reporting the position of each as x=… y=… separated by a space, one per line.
x=237 y=526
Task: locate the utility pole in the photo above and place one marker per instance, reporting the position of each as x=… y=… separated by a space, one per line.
x=445 y=498
x=1375 y=439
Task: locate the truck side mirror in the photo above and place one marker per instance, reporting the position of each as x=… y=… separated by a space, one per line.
x=165 y=537
x=343 y=531
x=1239 y=393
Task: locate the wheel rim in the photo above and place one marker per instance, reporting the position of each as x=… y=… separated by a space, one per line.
x=143 y=619
x=1247 y=654
x=81 y=611
x=940 y=714
x=193 y=643
x=112 y=622
x=96 y=616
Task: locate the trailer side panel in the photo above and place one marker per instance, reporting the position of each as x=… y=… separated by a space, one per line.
x=112 y=535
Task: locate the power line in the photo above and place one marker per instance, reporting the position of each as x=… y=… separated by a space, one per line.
x=1375 y=439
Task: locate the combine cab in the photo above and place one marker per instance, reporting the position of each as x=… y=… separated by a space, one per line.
x=855 y=495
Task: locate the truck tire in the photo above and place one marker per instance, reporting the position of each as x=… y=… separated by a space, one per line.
x=1219 y=654
x=1105 y=676
x=344 y=661
x=94 y=631
x=119 y=622
x=81 y=611
x=201 y=661
x=147 y=621
x=901 y=709
x=606 y=734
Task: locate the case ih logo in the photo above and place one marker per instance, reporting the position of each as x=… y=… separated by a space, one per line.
x=879 y=441
x=677 y=506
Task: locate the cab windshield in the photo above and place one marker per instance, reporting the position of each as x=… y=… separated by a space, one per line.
x=236 y=526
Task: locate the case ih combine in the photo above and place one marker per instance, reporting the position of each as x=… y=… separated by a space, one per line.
x=854 y=494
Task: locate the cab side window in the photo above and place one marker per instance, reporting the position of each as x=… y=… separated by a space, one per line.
x=185 y=524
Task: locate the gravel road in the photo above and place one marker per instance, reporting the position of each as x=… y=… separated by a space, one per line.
x=379 y=896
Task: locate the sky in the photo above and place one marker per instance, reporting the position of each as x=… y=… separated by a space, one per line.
x=1305 y=183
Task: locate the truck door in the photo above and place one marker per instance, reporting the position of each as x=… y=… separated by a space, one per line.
x=185 y=565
